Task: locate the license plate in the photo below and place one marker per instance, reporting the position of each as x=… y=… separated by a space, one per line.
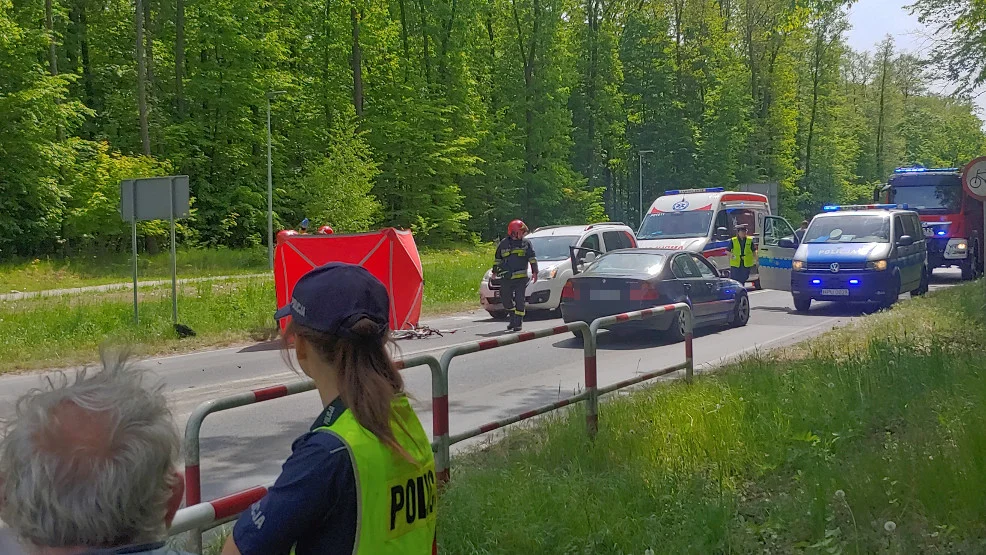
x=836 y=292
x=604 y=295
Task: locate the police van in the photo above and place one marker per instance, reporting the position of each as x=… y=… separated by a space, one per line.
x=859 y=253
x=703 y=221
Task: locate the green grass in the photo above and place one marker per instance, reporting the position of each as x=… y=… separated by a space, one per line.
x=58 y=331
x=83 y=271
x=452 y=277
x=54 y=331
x=815 y=450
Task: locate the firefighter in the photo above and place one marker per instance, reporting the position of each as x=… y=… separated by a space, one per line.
x=513 y=255
x=742 y=255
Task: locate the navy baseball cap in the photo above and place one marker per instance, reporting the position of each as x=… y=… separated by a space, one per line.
x=333 y=297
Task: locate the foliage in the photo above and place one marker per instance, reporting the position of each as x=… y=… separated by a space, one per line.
x=451 y=117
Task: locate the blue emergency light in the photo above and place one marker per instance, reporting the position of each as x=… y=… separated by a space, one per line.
x=915 y=169
x=687 y=191
x=854 y=282
x=842 y=207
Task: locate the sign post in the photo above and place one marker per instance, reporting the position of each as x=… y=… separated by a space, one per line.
x=155 y=198
x=974 y=183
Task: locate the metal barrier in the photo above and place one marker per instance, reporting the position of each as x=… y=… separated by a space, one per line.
x=193 y=476
x=197 y=516
x=683 y=309
x=485 y=345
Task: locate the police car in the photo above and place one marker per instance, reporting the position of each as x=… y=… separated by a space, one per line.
x=859 y=253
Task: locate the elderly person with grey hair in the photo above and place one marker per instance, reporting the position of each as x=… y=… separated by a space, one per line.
x=88 y=466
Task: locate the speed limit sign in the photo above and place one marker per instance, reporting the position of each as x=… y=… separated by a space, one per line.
x=974 y=178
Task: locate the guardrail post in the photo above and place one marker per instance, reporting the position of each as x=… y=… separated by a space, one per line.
x=689 y=335
x=439 y=420
x=591 y=380
x=193 y=471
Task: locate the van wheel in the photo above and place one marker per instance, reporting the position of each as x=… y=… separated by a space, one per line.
x=498 y=314
x=923 y=288
x=756 y=285
x=970 y=269
x=802 y=304
x=893 y=294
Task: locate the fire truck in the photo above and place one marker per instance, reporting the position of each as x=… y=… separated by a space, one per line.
x=952 y=220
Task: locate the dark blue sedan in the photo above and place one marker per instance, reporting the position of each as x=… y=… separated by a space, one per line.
x=635 y=279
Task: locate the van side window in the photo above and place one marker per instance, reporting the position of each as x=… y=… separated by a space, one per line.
x=898 y=228
x=912 y=227
x=616 y=240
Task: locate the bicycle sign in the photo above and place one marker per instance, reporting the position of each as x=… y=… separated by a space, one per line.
x=974 y=178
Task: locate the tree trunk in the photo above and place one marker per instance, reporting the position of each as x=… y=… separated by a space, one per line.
x=592 y=9
x=357 y=61
x=145 y=139
x=815 y=78
x=50 y=28
x=326 y=73
x=404 y=40
x=180 y=58
x=424 y=38
x=881 y=117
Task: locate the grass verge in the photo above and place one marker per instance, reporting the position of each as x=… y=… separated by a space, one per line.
x=47 y=332
x=84 y=271
x=870 y=439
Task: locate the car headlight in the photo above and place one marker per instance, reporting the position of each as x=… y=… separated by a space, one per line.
x=798 y=265
x=548 y=274
x=961 y=246
x=876 y=265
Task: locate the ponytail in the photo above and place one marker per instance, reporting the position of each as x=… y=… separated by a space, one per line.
x=368 y=379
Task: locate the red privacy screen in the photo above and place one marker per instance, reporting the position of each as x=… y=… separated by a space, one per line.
x=389 y=254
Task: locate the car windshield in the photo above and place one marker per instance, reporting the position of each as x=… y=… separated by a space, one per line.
x=934 y=193
x=849 y=229
x=617 y=263
x=552 y=247
x=676 y=225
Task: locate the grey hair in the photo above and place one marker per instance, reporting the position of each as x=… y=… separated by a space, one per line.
x=58 y=495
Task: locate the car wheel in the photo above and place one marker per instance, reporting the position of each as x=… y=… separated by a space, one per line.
x=679 y=327
x=925 y=278
x=802 y=304
x=893 y=294
x=498 y=314
x=741 y=312
x=971 y=267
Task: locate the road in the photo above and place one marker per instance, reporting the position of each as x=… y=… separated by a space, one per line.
x=245 y=447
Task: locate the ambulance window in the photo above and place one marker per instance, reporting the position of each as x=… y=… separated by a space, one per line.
x=738 y=216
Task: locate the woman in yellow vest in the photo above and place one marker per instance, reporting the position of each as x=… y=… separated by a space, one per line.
x=742 y=255
x=362 y=480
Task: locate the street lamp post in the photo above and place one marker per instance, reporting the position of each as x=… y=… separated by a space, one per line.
x=640 y=185
x=270 y=186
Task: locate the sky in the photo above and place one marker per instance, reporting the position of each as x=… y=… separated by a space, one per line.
x=872 y=20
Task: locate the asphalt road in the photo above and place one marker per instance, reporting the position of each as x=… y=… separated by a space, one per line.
x=245 y=447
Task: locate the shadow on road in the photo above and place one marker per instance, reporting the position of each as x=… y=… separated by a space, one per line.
x=632 y=339
x=261 y=347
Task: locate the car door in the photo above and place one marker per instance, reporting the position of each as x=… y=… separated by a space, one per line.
x=774 y=260
x=690 y=277
x=718 y=305
x=909 y=271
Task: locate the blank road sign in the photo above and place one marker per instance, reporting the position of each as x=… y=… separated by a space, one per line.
x=154 y=198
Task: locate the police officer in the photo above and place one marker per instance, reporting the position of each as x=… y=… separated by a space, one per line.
x=741 y=255
x=799 y=233
x=362 y=480
x=513 y=254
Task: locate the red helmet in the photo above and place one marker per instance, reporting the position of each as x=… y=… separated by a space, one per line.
x=326 y=230
x=517 y=229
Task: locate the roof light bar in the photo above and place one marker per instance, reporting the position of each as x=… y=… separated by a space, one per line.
x=687 y=191
x=847 y=207
x=915 y=169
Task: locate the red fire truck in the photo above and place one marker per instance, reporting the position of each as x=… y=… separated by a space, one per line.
x=952 y=220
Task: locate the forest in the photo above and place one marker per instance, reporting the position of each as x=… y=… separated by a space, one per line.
x=452 y=117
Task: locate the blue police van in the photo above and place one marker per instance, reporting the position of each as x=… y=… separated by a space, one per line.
x=861 y=253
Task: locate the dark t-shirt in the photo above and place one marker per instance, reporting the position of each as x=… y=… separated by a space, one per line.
x=312 y=506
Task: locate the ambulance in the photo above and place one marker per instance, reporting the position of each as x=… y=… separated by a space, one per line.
x=703 y=221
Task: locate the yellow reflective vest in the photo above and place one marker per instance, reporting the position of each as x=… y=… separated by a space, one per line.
x=741 y=258
x=397 y=498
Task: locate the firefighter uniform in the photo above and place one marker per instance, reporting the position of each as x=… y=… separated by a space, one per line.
x=512 y=258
